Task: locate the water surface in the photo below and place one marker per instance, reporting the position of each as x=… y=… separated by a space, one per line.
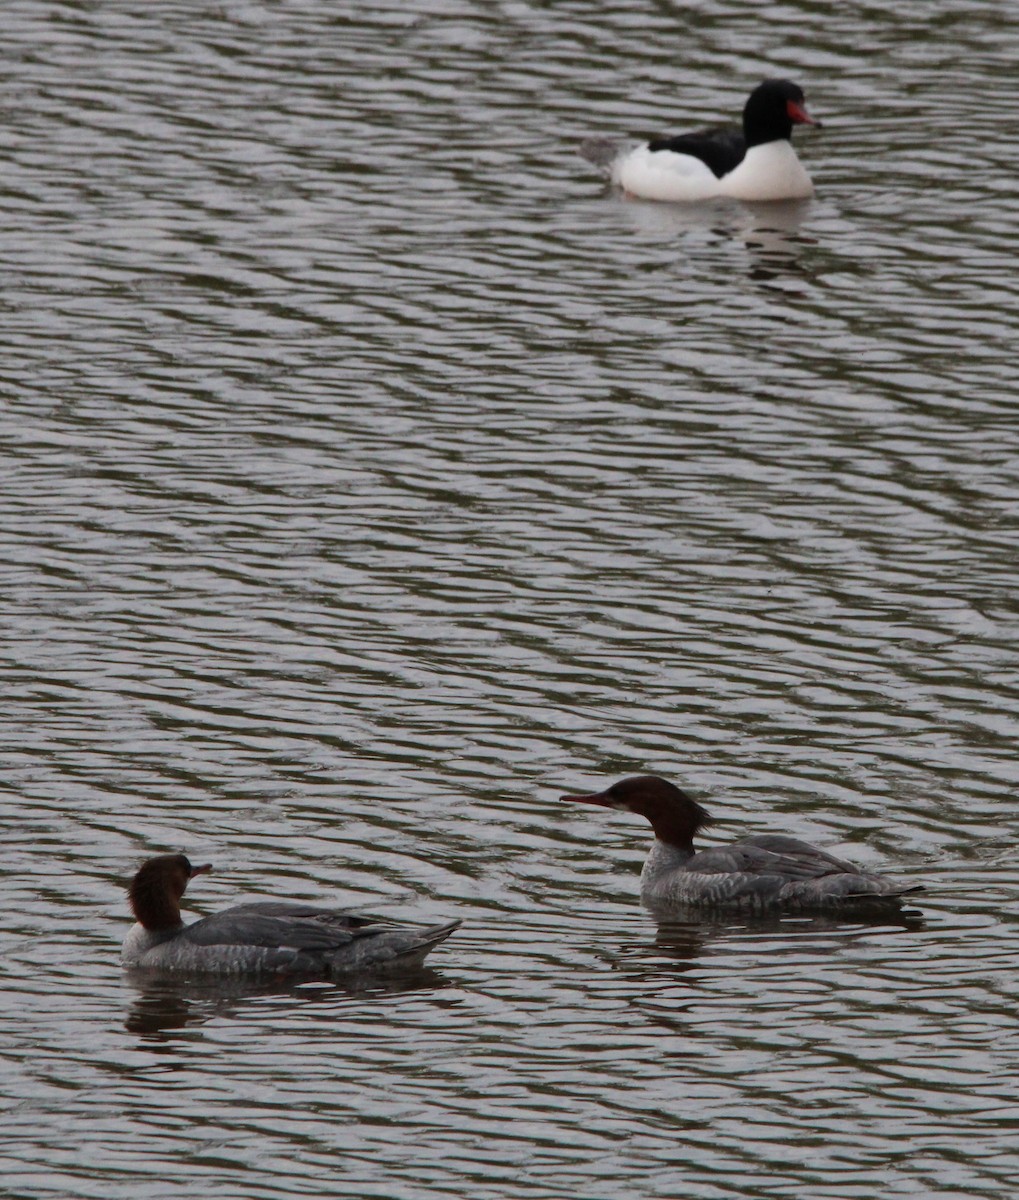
x=371 y=475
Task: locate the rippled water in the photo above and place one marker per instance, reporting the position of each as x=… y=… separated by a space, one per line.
x=371 y=475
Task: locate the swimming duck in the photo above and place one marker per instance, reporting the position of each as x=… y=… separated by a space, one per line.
x=264 y=938
x=765 y=873
x=757 y=163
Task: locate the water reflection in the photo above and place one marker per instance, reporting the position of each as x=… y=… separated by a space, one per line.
x=166 y=1003
x=690 y=961
x=775 y=245
x=761 y=930
x=771 y=233
x=681 y=942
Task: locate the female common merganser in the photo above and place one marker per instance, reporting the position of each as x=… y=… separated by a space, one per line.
x=757 y=164
x=766 y=873
x=262 y=938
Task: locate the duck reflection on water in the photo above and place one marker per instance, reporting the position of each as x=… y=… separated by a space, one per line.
x=166 y=1003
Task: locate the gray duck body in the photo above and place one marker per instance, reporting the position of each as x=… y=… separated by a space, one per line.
x=766 y=873
x=262 y=938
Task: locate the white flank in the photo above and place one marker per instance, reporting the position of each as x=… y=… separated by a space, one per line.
x=768 y=172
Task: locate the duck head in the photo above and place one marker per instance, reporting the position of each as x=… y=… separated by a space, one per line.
x=771 y=111
x=157 y=887
x=674 y=816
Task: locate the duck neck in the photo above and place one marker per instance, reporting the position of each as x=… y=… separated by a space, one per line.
x=760 y=127
x=157 y=910
x=664 y=858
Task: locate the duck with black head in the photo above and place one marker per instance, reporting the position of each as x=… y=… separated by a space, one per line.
x=754 y=163
x=765 y=873
x=263 y=938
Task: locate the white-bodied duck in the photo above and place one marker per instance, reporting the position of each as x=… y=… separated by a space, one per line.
x=755 y=163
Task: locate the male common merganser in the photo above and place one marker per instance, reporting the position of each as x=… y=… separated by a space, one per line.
x=757 y=164
x=264 y=938
x=765 y=873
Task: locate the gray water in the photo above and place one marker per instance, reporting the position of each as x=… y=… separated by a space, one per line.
x=371 y=475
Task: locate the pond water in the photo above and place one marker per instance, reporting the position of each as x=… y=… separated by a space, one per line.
x=372 y=474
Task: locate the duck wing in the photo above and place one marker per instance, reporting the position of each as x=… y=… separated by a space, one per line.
x=271 y=925
x=719 y=149
x=770 y=854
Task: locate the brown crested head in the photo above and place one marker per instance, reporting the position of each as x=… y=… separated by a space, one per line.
x=674 y=816
x=157 y=887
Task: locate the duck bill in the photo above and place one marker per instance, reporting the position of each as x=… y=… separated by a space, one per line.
x=204 y=869
x=799 y=115
x=600 y=798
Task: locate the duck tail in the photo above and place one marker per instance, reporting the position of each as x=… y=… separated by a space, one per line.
x=429 y=938
x=410 y=948
x=892 y=897
x=602 y=152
